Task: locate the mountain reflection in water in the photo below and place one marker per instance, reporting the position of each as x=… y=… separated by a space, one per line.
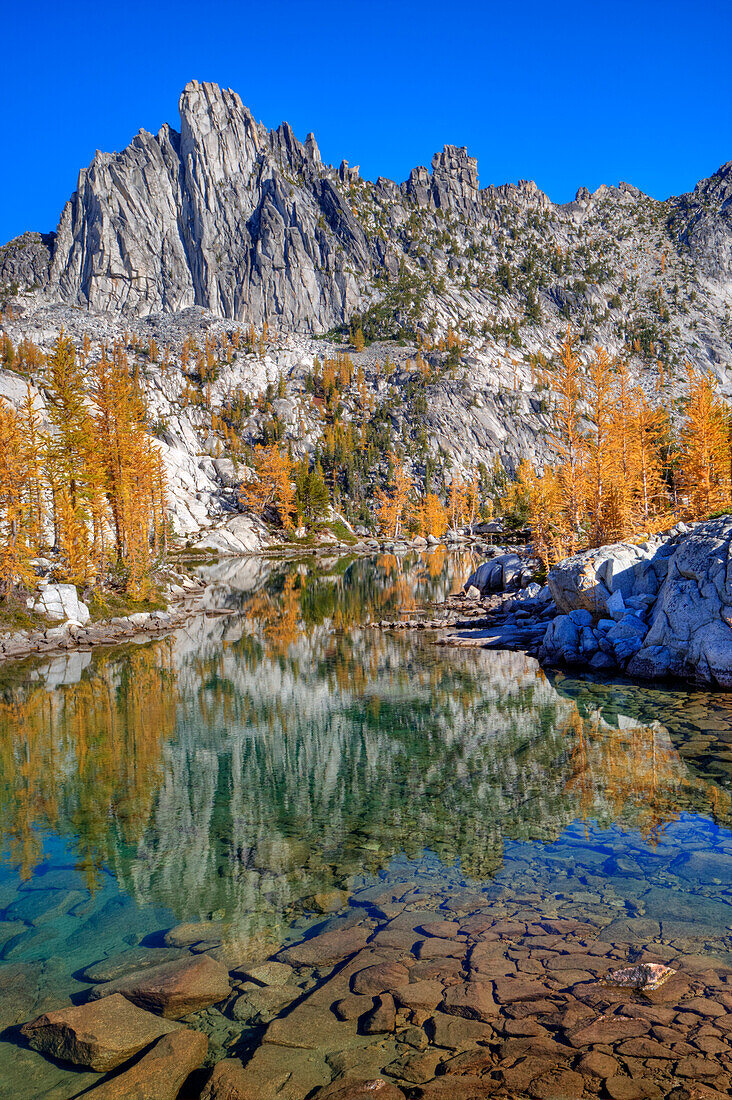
x=259 y=761
x=279 y=754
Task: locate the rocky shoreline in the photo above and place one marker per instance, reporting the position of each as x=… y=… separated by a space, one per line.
x=72 y=634
x=74 y=630
x=657 y=609
x=405 y=993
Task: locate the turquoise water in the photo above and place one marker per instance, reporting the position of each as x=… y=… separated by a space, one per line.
x=261 y=766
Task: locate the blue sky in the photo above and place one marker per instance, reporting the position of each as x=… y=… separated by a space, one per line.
x=565 y=94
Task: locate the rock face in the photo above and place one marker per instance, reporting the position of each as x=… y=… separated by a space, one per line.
x=222 y=215
x=250 y=223
x=702 y=223
x=691 y=625
x=227 y=216
x=26 y=261
x=189 y=232
x=237 y=535
x=663 y=608
x=101 y=1035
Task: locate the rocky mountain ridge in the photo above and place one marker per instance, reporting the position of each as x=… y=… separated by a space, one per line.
x=252 y=225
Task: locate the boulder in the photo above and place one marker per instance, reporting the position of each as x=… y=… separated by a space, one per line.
x=690 y=631
x=161 y=1072
x=226 y=471
x=228 y=1081
x=173 y=989
x=496 y=574
x=61 y=602
x=615 y=605
x=626 y=637
x=667 y=607
x=619 y=571
x=101 y=1035
x=561 y=641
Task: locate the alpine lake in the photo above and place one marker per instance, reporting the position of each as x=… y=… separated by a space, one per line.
x=495 y=838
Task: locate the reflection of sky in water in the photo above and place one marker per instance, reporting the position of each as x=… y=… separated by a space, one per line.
x=259 y=762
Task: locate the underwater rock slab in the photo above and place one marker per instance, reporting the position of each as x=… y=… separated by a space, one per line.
x=173 y=989
x=161 y=1072
x=101 y=1035
x=130 y=962
x=330 y=947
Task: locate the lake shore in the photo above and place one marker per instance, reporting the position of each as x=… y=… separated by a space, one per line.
x=187 y=597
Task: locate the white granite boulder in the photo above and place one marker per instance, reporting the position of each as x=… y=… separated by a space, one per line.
x=612 y=573
x=690 y=632
x=61 y=602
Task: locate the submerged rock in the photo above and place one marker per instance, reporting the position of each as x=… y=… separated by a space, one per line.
x=101 y=1035
x=173 y=989
x=161 y=1072
x=643 y=976
x=351 y=1088
x=186 y=935
x=128 y=962
x=329 y=947
x=228 y=1081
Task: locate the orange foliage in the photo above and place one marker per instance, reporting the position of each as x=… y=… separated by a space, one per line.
x=394 y=507
x=272 y=484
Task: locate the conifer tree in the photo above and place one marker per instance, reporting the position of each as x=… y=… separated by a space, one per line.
x=71 y=459
x=31 y=449
x=431 y=516
x=15 y=552
x=597 y=445
x=394 y=507
x=271 y=486
x=132 y=476
x=311 y=492
x=704 y=447
x=539 y=497
x=565 y=380
x=650 y=428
